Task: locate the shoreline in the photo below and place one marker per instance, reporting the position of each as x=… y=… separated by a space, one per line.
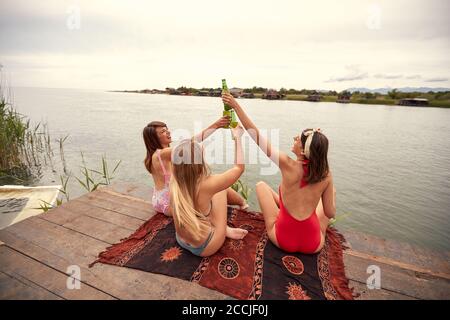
x=294 y=97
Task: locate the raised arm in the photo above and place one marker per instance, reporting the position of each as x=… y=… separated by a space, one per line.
x=280 y=158
x=218 y=182
x=166 y=153
x=222 y=122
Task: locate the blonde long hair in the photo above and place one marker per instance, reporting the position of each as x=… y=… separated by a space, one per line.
x=188 y=168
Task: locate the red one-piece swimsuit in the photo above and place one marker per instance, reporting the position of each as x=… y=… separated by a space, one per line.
x=297 y=235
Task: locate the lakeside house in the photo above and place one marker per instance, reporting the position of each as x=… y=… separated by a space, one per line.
x=203 y=93
x=247 y=95
x=415 y=102
x=236 y=92
x=215 y=93
x=314 y=97
x=172 y=91
x=151 y=91
x=157 y=91
x=209 y=93
x=272 y=95
x=344 y=97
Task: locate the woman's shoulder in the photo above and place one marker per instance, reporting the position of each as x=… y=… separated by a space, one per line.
x=291 y=172
x=205 y=183
x=329 y=176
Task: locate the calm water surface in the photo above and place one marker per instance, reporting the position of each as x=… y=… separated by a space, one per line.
x=391 y=165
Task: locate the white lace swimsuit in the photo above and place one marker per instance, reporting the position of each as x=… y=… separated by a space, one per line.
x=161 y=198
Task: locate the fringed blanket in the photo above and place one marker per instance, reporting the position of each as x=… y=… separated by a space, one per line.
x=252 y=268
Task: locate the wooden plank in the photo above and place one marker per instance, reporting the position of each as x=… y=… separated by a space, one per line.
x=118 y=207
x=16 y=265
x=97 y=229
x=74 y=209
x=76 y=232
x=376 y=294
x=136 y=190
x=398 y=264
x=122 y=200
x=60 y=215
x=116 y=218
x=395 y=279
x=118 y=195
x=417 y=258
x=15 y=289
x=59 y=247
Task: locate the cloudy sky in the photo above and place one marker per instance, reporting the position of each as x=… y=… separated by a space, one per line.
x=284 y=43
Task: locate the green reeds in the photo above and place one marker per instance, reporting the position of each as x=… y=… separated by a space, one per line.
x=89 y=181
x=337 y=218
x=61 y=152
x=242 y=189
x=23 y=148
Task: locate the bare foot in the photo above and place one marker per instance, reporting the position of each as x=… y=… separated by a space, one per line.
x=244 y=206
x=235 y=233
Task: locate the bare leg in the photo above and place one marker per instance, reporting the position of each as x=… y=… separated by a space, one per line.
x=269 y=208
x=234 y=198
x=276 y=197
x=218 y=219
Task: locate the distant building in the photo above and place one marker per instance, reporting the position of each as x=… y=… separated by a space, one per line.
x=416 y=102
x=215 y=93
x=203 y=93
x=314 y=97
x=344 y=97
x=248 y=95
x=172 y=91
x=272 y=95
x=236 y=92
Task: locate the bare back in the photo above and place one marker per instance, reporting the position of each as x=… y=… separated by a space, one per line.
x=158 y=172
x=301 y=202
x=205 y=205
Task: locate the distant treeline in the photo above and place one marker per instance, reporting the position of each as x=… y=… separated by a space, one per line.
x=393 y=94
x=392 y=97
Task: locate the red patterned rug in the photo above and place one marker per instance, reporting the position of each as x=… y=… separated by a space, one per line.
x=252 y=268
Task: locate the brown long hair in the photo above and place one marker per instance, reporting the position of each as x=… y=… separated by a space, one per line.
x=188 y=168
x=151 y=141
x=318 y=156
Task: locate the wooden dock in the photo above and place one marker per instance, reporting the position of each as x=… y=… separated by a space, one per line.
x=35 y=255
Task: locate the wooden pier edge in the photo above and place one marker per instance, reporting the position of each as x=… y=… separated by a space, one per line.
x=40 y=254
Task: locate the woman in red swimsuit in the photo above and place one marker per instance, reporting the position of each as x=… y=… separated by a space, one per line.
x=297 y=218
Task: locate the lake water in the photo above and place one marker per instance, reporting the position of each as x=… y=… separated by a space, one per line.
x=391 y=165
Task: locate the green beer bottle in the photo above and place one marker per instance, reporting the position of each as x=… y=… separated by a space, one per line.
x=227 y=110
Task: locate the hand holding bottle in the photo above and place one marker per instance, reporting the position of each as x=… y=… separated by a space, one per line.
x=228 y=99
x=223 y=122
x=228 y=110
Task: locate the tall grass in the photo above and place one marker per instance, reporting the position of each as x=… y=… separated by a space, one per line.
x=24 y=147
x=242 y=189
x=90 y=180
